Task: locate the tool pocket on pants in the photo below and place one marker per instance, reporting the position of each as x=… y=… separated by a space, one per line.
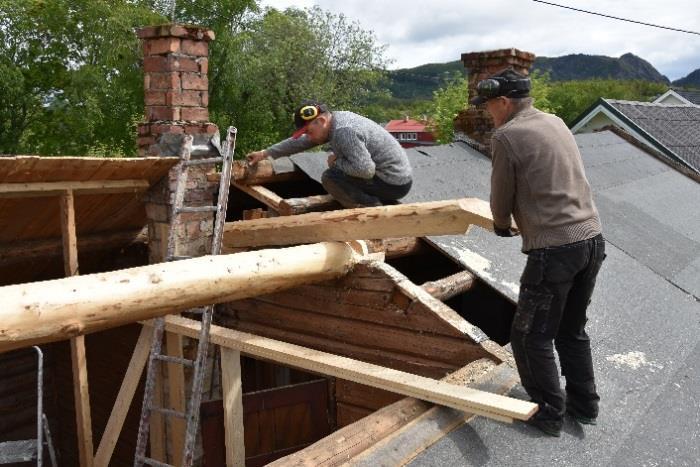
x=533 y=311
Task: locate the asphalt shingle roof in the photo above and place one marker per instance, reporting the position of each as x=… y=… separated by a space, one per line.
x=676 y=127
x=692 y=96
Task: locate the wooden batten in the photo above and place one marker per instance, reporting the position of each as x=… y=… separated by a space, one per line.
x=396 y=247
x=417 y=219
x=23 y=190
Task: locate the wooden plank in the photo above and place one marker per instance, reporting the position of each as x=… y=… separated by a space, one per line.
x=262 y=172
x=68 y=237
x=233 y=407
x=403 y=445
x=25 y=249
x=360 y=395
x=316 y=203
x=417 y=220
x=262 y=194
x=349 y=441
x=465 y=399
x=82 y=401
x=81 y=392
x=450 y=286
x=415 y=365
x=20 y=190
x=83 y=304
x=176 y=396
x=124 y=397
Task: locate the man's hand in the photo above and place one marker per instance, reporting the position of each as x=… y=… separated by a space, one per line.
x=256 y=156
x=331 y=159
x=507 y=232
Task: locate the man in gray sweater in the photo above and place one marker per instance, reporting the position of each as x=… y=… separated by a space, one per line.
x=367 y=166
x=538 y=178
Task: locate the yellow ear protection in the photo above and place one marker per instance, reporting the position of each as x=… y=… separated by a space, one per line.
x=308 y=112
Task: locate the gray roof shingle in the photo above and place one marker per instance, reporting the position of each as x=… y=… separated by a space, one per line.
x=675 y=127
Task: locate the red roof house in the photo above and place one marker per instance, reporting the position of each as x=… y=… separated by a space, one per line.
x=411 y=133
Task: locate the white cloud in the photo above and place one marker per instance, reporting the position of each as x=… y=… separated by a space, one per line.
x=419 y=32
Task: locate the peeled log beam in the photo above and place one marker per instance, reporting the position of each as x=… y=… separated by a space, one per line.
x=23 y=249
x=396 y=247
x=416 y=220
x=261 y=173
x=54 y=310
x=293 y=206
x=450 y=286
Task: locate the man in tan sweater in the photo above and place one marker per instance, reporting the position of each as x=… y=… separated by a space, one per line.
x=538 y=178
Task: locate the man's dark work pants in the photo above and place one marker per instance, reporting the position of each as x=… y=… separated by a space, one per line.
x=353 y=192
x=555 y=290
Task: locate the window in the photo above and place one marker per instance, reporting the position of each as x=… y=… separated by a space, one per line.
x=407 y=136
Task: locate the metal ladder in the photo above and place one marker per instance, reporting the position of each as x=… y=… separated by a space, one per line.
x=191 y=416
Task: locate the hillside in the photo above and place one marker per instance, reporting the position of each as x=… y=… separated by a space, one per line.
x=690 y=81
x=581 y=66
x=421 y=81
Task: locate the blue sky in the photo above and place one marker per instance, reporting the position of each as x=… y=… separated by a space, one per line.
x=419 y=32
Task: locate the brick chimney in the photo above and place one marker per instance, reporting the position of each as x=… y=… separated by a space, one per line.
x=176 y=94
x=476 y=122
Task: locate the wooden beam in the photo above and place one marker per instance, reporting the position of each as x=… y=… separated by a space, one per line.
x=24 y=190
x=448 y=287
x=316 y=203
x=343 y=445
x=68 y=237
x=233 y=407
x=81 y=392
x=124 y=397
x=417 y=219
x=63 y=308
x=176 y=396
x=262 y=194
x=469 y=400
x=81 y=395
x=25 y=249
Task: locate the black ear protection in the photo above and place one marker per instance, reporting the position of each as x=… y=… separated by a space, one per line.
x=498 y=86
x=309 y=112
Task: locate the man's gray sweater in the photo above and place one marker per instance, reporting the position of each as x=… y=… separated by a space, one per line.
x=362 y=147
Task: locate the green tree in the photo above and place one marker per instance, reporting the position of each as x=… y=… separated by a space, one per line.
x=278 y=58
x=448 y=101
x=569 y=99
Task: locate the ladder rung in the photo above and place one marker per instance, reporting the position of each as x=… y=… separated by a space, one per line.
x=168 y=412
x=153 y=462
x=197 y=209
x=180 y=360
x=211 y=160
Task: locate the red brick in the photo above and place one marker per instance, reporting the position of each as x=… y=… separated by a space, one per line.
x=164 y=81
x=184 y=98
x=154 y=98
x=159 y=129
x=155 y=64
x=150 y=31
x=146 y=141
x=180 y=63
x=195 y=81
x=195 y=114
x=144 y=129
x=163 y=45
x=205 y=99
x=203 y=65
x=162 y=113
x=201 y=128
x=198 y=48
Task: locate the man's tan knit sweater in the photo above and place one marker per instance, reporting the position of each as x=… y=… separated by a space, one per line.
x=538 y=177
